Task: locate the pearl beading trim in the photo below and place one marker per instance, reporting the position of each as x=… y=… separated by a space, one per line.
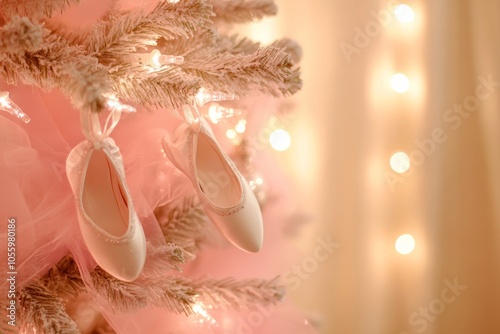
x=203 y=198
x=82 y=163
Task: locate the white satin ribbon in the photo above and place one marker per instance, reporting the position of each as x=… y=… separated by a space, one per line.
x=192 y=116
x=91 y=124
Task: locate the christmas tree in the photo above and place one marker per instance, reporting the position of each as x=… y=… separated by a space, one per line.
x=160 y=64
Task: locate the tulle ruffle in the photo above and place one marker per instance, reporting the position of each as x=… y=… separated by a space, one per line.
x=35 y=192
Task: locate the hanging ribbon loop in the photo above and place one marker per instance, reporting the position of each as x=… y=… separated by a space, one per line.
x=192 y=116
x=91 y=123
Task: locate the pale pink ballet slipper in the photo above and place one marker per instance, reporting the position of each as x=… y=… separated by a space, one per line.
x=224 y=193
x=109 y=224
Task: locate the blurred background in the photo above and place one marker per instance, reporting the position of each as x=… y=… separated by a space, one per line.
x=395 y=148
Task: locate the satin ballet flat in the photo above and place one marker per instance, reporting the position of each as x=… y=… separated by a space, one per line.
x=224 y=193
x=108 y=222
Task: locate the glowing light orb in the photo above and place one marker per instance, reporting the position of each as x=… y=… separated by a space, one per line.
x=400 y=162
x=231 y=134
x=400 y=83
x=280 y=140
x=405 y=244
x=404 y=13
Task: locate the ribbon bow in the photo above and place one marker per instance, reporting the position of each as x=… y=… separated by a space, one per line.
x=91 y=124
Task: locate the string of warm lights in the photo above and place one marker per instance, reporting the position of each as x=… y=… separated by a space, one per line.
x=7 y=105
x=280 y=140
x=400 y=161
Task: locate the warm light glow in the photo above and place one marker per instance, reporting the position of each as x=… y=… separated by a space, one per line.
x=280 y=140
x=258 y=181
x=231 y=134
x=203 y=96
x=6 y=104
x=400 y=83
x=156 y=60
x=203 y=314
x=404 y=13
x=400 y=162
x=199 y=310
x=265 y=31
x=3 y=98
x=217 y=113
x=214 y=114
x=241 y=126
x=381 y=96
x=114 y=104
x=405 y=244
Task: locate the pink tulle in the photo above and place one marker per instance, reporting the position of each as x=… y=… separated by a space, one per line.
x=36 y=193
x=34 y=190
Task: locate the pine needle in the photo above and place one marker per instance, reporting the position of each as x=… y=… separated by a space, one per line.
x=242 y=11
x=34 y=9
x=291 y=47
x=123 y=35
x=236 y=45
x=20 y=35
x=131 y=296
x=161 y=259
x=40 y=310
x=266 y=71
x=236 y=65
x=169 y=87
x=185 y=225
x=238 y=293
x=208 y=42
x=56 y=64
x=64 y=278
x=179 y=294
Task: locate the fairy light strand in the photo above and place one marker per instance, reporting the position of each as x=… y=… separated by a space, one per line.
x=6 y=104
x=155 y=60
